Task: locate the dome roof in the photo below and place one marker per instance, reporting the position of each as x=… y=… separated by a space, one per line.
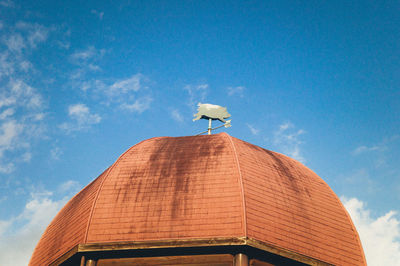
x=206 y=187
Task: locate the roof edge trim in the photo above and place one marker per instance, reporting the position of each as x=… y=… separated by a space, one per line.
x=285 y=252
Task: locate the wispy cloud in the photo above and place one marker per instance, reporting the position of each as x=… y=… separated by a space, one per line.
x=378 y=151
x=87 y=61
x=287 y=138
x=21 y=108
x=10 y=132
x=55 y=153
x=131 y=94
x=35 y=33
x=7 y=3
x=15 y=42
x=380 y=236
x=81 y=118
x=84 y=55
x=176 y=115
x=21 y=105
x=363 y=149
x=7 y=113
x=99 y=14
x=70 y=185
x=236 y=91
x=197 y=93
x=25 y=35
x=253 y=130
x=132 y=84
x=19 y=41
x=139 y=105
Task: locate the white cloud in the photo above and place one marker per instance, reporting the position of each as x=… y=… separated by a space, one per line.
x=287 y=138
x=7 y=67
x=20 y=112
x=26 y=157
x=68 y=186
x=131 y=94
x=19 y=235
x=7 y=113
x=253 y=130
x=26 y=95
x=15 y=42
x=139 y=106
x=197 y=93
x=81 y=117
x=21 y=105
x=36 y=33
x=378 y=152
x=25 y=66
x=363 y=149
x=9 y=134
x=236 y=91
x=380 y=237
x=7 y=3
x=25 y=35
x=94 y=67
x=55 y=153
x=86 y=61
x=84 y=55
x=132 y=84
x=97 y=13
x=176 y=115
x=6 y=168
x=19 y=42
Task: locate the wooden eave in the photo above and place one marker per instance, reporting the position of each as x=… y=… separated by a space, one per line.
x=188 y=243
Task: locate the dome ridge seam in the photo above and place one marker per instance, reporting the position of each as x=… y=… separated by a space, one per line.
x=233 y=147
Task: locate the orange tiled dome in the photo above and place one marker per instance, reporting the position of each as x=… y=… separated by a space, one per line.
x=206 y=187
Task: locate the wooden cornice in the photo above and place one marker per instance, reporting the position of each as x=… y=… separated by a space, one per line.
x=187 y=243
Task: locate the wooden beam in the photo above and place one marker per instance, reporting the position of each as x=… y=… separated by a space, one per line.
x=192 y=260
x=173 y=243
x=255 y=262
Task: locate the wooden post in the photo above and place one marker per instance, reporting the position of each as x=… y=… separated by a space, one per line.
x=241 y=260
x=82 y=261
x=91 y=263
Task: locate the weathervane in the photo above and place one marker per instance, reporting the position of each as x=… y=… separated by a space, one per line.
x=212 y=112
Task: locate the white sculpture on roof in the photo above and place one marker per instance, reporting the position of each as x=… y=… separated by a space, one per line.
x=212 y=112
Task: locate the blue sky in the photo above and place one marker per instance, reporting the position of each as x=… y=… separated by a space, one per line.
x=82 y=82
